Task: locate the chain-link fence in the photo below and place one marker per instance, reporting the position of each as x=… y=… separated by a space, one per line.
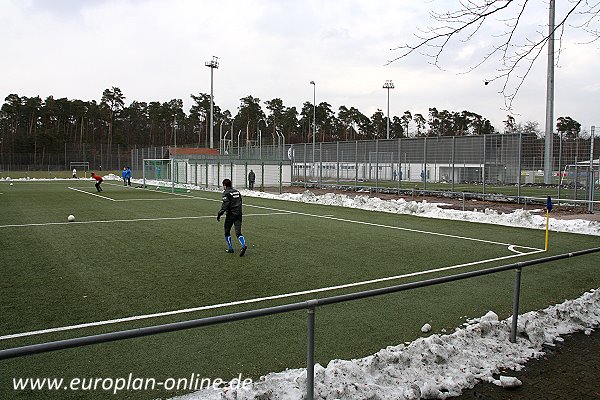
x=501 y=167
x=99 y=156
x=495 y=167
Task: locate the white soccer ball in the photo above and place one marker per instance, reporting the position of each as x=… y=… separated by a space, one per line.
x=71 y=218
x=11 y=184
x=157 y=188
x=188 y=190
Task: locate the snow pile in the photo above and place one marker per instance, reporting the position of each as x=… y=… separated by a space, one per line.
x=435 y=367
x=518 y=218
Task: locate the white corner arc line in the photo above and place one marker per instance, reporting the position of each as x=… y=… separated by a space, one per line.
x=254 y=300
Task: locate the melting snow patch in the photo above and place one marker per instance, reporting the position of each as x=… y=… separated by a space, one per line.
x=436 y=367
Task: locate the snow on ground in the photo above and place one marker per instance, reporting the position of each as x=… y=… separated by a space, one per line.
x=519 y=218
x=438 y=366
x=435 y=367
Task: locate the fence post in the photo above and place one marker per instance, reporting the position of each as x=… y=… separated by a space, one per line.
x=453 y=152
x=424 y=172
x=356 y=166
x=399 y=172
x=310 y=354
x=280 y=177
x=320 y=165
x=218 y=174
x=262 y=176
x=483 y=168
x=304 y=166
x=337 y=158
x=206 y=174
x=591 y=173
x=515 y=316
x=376 y=165
x=560 y=141
x=520 y=170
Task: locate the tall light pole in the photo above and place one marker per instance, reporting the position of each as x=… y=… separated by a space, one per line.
x=388 y=85
x=214 y=63
x=314 y=118
x=549 y=136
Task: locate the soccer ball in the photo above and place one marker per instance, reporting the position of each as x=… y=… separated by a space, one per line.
x=11 y=184
x=157 y=188
x=71 y=218
x=187 y=190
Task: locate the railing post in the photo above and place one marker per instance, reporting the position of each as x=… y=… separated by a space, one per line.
x=310 y=354
x=515 y=316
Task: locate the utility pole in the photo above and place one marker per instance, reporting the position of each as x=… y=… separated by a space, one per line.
x=548 y=140
x=314 y=118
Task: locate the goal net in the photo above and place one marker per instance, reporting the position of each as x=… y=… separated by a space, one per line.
x=81 y=168
x=157 y=169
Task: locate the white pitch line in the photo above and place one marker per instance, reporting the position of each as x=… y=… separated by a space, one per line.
x=377 y=225
x=383 y=226
x=132 y=220
x=400 y=228
x=187 y=197
x=254 y=300
x=91 y=194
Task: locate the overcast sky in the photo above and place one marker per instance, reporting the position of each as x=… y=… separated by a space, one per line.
x=155 y=50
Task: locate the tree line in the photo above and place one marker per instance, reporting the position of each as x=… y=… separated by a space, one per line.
x=31 y=125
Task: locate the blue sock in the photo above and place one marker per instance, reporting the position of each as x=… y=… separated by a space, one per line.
x=228 y=238
x=242 y=240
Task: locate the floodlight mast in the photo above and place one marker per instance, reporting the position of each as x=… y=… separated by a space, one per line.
x=388 y=85
x=214 y=63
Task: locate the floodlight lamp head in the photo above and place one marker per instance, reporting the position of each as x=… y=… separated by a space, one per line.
x=214 y=63
x=388 y=84
x=312 y=82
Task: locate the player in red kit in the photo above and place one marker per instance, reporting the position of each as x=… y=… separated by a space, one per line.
x=98 y=181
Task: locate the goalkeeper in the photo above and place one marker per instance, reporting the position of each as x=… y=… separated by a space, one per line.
x=232 y=207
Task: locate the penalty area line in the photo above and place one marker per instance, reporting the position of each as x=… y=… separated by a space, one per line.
x=91 y=194
x=255 y=300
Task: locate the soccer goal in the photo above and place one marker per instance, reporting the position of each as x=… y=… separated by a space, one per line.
x=157 y=169
x=80 y=166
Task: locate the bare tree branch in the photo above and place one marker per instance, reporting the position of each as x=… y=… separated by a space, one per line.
x=515 y=53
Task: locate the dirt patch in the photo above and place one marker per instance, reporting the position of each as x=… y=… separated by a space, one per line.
x=569 y=370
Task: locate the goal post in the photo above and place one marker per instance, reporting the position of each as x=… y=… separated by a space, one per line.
x=157 y=169
x=80 y=166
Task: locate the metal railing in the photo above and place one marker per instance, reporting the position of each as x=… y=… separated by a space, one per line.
x=310 y=305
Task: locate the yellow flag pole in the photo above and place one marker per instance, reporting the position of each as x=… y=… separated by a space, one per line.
x=547 y=224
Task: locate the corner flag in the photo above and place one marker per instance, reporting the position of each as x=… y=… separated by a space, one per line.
x=549 y=204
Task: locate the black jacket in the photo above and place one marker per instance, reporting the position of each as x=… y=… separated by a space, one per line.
x=232 y=202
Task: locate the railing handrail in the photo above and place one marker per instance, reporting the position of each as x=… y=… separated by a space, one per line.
x=309 y=305
x=238 y=316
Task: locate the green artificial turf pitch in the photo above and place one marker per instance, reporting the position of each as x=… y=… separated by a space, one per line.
x=160 y=257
